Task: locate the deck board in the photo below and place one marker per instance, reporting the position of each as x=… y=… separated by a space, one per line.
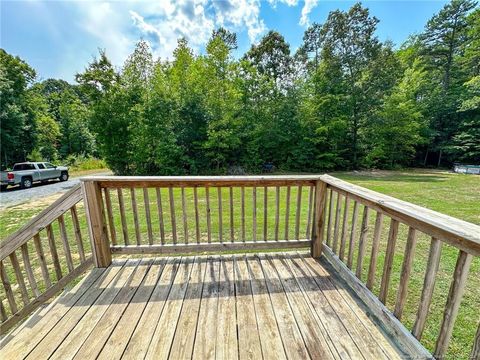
x=253 y=306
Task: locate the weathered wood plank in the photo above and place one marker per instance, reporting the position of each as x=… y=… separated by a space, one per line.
x=206 y=333
x=78 y=233
x=184 y=339
x=220 y=213
x=197 y=215
x=330 y=217
x=121 y=205
x=318 y=232
x=42 y=261
x=226 y=345
x=65 y=243
x=148 y=217
x=111 y=223
x=92 y=193
x=290 y=334
x=343 y=239
x=19 y=277
x=8 y=289
x=209 y=220
x=254 y=214
x=428 y=287
x=232 y=224
x=249 y=345
x=163 y=336
x=242 y=193
x=387 y=265
x=308 y=233
x=185 y=217
x=353 y=234
x=287 y=212
x=150 y=318
x=265 y=214
x=28 y=269
x=268 y=331
x=377 y=232
x=455 y=294
x=277 y=211
x=362 y=242
x=118 y=339
x=161 y=222
x=172 y=215
x=138 y=235
x=298 y=212
x=405 y=274
x=337 y=223
x=53 y=252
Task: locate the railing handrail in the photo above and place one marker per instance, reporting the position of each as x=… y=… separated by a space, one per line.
x=40 y=221
x=458 y=233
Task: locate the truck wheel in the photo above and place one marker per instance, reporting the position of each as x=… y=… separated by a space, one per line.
x=26 y=183
x=64 y=176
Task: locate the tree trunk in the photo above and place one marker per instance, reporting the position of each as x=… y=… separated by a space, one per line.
x=426 y=158
x=439 y=158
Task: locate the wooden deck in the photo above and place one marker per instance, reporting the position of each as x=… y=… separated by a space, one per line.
x=271 y=306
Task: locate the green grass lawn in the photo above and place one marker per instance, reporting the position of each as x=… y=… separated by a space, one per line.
x=453 y=194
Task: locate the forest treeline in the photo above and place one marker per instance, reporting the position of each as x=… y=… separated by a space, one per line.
x=343 y=100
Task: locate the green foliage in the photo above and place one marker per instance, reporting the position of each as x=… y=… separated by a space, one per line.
x=344 y=100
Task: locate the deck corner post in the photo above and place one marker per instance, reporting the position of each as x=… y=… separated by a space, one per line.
x=97 y=228
x=319 y=218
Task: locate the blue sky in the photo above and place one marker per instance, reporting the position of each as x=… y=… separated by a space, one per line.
x=59 y=38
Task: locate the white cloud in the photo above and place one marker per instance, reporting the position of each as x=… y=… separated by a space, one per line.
x=307 y=8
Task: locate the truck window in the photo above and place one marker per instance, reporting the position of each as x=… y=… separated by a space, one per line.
x=49 y=166
x=20 y=167
x=41 y=166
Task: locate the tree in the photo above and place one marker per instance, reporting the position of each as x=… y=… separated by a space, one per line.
x=48 y=137
x=17 y=117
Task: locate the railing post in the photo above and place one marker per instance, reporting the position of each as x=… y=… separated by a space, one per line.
x=92 y=196
x=319 y=218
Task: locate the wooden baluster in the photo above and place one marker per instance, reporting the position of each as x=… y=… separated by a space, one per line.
x=475 y=354
x=287 y=212
x=19 y=277
x=343 y=241
x=121 y=205
x=243 y=212
x=277 y=211
x=362 y=242
x=41 y=259
x=308 y=232
x=29 y=271
x=197 y=220
x=8 y=289
x=232 y=224
x=319 y=219
x=353 y=233
x=138 y=236
x=405 y=274
x=337 y=223
x=209 y=221
x=111 y=223
x=298 y=212
x=454 y=298
x=254 y=198
x=146 y=201
x=428 y=287
x=184 y=213
x=53 y=252
x=66 y=245
x=265 y=213
x=387 y=266
x=172 y=215
x=92 y=198
x=3 y=312
x=375 y=246
x=220 y=211
x=330 y=217
x=161 y=223
x=78 y=233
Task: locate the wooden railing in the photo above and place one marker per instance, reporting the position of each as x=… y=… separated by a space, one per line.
x=377 y=243
x=354 y=232
x=194 y=214
x=30 y=274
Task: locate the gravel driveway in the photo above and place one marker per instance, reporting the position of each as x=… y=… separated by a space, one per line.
x=14 y=195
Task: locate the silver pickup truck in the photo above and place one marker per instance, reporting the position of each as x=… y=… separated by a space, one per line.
x=27 y=173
